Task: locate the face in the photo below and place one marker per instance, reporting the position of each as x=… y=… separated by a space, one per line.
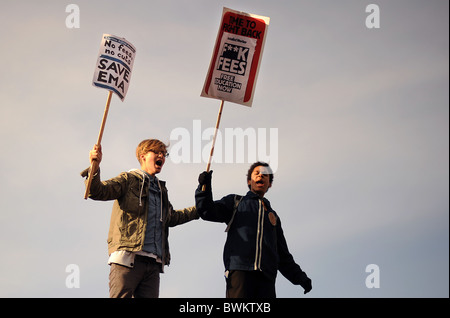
x=152 y=163
x=259 y=182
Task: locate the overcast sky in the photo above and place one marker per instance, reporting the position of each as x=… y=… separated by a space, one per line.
x=358 y=118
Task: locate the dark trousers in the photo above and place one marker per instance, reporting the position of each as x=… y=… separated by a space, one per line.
x=141 y=281
x=249 y=284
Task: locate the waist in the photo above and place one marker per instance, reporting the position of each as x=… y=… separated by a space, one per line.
x=146 y=259
x=146 y=255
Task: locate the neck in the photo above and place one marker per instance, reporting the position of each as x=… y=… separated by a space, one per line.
x=150 y=173
x=259 y=194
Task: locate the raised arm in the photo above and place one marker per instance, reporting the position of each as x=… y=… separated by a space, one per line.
x=103 y=190
x=207 y=208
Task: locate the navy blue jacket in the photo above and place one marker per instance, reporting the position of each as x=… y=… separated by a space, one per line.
x=255 y=239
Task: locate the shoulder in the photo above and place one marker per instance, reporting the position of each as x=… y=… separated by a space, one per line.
x=232 y=197
x=229 y=201
x=130 y=179
x=269 y=207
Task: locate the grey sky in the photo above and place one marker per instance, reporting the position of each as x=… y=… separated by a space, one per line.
x=362 y=122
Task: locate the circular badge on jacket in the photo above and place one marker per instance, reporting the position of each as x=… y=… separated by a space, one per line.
x=272 y=219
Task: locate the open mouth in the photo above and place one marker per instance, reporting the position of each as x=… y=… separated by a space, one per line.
x=260 y=182
x=159 y=163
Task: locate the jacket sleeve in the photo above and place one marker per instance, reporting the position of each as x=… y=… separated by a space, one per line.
x=287 y=266
x=210 y=210
x=106 y=190
x=177 y=217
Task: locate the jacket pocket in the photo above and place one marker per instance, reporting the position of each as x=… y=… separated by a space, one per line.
x=134 y=199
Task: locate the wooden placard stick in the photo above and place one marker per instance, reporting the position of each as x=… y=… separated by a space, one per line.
x=94 y=164
x=214 y=139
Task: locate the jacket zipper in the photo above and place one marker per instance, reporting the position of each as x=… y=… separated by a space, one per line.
x=259 y=237
x=163 y=234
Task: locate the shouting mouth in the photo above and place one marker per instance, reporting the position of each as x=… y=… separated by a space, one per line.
x=159 y=163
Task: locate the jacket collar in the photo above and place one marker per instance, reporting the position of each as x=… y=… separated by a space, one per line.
x=142 y=175
x=253 y=195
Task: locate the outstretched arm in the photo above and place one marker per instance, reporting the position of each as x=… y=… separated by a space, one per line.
x=177 y=217
x=287 y=266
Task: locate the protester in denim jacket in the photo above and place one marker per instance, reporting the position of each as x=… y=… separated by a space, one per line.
x=138 y=243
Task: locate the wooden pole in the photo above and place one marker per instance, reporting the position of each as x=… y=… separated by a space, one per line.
x=94 y=164
x=214 y=139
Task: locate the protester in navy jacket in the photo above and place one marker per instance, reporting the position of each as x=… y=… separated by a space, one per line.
x=255 y=248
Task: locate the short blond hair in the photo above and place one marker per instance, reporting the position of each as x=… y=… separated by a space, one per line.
x=150 y=145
